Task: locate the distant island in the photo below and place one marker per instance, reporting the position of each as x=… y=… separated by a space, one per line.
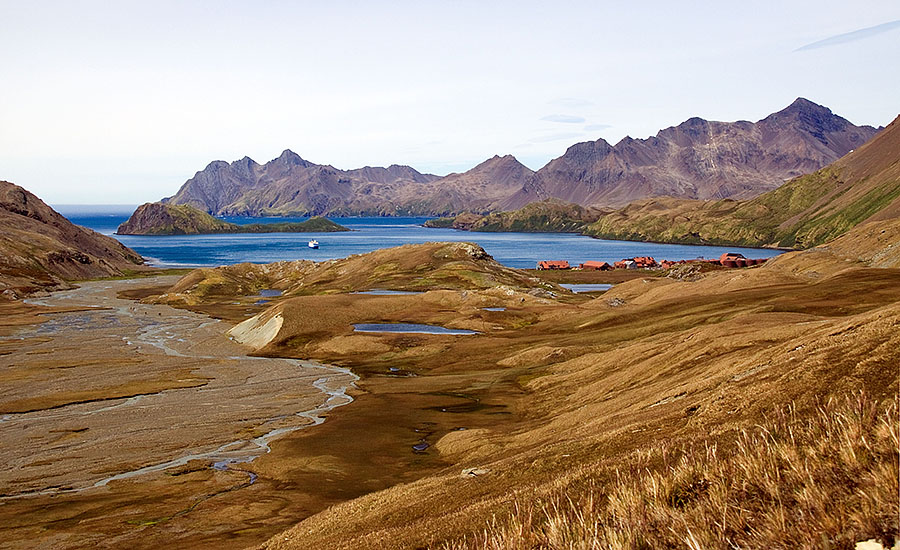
x=155 y=218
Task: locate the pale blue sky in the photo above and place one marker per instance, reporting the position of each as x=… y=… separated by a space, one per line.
x=121 y=102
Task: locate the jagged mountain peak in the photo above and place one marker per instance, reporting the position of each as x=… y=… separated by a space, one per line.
x=809 y=115
x=599 y=147
x=497 y=161
x=215 y=165
x=245 y=161
x=803 y=105
x=291 y=158
x=704 y=159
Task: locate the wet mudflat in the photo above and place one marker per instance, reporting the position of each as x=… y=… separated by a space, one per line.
x=111 y=408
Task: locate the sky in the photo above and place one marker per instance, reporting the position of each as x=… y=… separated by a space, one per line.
x=121 y=102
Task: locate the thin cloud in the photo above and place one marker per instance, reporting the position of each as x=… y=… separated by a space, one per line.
x=597 y=126
x=566 y=119
x=860 y=34
x=571 y=102
x=555 y=137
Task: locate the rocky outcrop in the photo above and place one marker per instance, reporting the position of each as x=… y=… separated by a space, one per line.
x=155 y=218
x=41 y=250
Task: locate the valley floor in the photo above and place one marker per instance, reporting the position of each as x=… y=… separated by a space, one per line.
x=547 y=429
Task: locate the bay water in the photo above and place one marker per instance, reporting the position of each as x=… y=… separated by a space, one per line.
x=519 y=250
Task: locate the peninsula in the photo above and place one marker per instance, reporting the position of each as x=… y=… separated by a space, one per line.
x=155 y=218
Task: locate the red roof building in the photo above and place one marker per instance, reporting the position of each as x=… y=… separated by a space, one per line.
x=730 y=256
x=553 y=264
x=591 y=265
x=644 y=262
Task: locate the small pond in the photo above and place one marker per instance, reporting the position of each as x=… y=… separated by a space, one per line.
x=409 y=328
x=385 y=292
x=494 y=308
x=586 y=287
x=269 y=293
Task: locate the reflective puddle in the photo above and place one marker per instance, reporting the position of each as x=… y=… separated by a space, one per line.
x=409 y=328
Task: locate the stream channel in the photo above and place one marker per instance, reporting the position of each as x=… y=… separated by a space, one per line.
x=121 y=389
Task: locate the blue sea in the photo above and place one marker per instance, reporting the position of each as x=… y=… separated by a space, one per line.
x=520 y=250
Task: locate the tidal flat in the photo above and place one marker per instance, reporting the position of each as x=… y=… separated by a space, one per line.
x=111 y=408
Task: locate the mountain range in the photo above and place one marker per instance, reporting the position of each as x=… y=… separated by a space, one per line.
x=698 y=159
x=861 y=186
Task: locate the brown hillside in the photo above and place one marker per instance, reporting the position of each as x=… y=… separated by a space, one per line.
x=429 y=266
x=621 y=387
x=40 y=249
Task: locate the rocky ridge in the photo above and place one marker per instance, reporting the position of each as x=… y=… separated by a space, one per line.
x=700 y=159
x=861 y=187
x=807 y=211
x=41 y=250
x=697 y=159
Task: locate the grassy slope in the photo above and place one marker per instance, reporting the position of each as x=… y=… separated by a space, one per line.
x=316 y=224
x=544 y=216
x=613 y=393
x=830 y=480
x=805 y=212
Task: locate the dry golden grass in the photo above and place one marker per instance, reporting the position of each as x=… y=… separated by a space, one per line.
x=822 y=482
x=598 y=394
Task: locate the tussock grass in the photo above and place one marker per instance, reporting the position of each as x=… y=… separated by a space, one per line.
x=822 y=480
